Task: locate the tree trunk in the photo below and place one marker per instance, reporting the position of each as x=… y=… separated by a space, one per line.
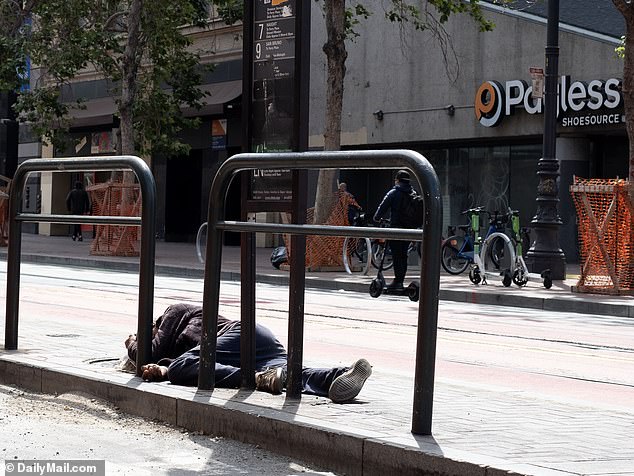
x=628 y=83
x=130 y=67
x=336 y=56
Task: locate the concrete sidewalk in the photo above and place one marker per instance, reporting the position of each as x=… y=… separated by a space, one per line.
x=180 y=259
x=473 y=425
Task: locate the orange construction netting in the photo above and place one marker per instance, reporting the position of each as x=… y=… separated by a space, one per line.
x=115 y=199
x=325 y=252
x=606 y=235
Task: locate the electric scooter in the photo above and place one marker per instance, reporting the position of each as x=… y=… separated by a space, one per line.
x=378 y=287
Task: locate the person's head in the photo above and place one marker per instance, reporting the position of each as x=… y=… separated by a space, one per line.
x=402 y=176
x=79 y=185
x=343 y=187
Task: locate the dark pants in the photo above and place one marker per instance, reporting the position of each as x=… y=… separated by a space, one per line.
x=269 y=352
x=399 y=256
x=76 y=230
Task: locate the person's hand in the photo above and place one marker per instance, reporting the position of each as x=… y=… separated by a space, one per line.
x=128 y=342
x=154 y=373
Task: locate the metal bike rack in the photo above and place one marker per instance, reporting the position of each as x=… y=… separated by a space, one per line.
x=146 y=222
x=430 y=236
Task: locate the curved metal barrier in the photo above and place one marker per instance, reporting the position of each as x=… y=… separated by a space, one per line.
x=429 y=270
x=146 y=222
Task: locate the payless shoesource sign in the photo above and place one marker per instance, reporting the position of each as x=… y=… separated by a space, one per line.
x=579 y=103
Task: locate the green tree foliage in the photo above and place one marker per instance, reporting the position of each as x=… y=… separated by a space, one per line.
x=71 y=37
x=13 y=16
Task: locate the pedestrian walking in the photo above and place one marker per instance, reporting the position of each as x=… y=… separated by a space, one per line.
x=78 y=203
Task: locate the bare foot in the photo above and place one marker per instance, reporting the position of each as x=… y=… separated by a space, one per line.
x=154 y=373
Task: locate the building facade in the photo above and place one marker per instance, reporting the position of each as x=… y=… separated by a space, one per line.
x=466 y=104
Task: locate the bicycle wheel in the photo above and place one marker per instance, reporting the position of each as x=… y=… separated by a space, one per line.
x=201 y=242
x=355 y=255
x=450 y=258
x=499 y=253
x=378 y=250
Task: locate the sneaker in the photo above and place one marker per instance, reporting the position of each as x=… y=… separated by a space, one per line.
x=81 y=238
x=348 y=385
x=74 y=237
x=271 y=380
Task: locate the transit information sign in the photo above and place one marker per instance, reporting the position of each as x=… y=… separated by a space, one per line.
x=273 y=92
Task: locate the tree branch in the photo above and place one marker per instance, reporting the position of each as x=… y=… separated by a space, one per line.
x=111 y=21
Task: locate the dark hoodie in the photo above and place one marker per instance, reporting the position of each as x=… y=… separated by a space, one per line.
x=77 y=200
x=179 y=330
x=392 y=201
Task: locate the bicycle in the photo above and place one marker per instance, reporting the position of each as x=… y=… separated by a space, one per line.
x=521 y=240
x=458 y=251
x=201 y=242
x=381 y=251
x=356 y=251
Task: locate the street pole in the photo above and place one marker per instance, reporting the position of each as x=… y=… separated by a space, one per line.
x=545 y=252
x=8 y=134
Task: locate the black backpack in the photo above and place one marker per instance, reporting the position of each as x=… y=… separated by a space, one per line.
x=410 y=212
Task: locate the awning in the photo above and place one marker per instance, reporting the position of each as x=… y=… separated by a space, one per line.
x=219 y=94
x=98 y=112
x=102 y=111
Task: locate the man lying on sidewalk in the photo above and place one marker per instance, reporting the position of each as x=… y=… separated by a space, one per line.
x=181 y=325
x=174 y=333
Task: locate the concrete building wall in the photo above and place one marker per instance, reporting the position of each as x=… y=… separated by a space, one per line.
x=403 y=73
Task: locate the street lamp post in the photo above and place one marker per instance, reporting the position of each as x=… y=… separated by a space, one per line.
x=545 y=252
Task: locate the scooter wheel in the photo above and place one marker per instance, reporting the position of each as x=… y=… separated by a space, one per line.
x=413 y=291
x=376 y=288
x=507 y=279
x=548 y=280
x=474 y=275
x=519 y=278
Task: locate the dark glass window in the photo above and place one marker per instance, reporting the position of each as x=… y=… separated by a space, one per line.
x=496 y=177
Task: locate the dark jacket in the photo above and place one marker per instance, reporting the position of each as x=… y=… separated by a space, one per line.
x=77 y=200
x=392 y=202
x=179 y=329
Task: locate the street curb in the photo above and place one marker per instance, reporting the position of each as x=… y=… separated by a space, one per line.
x=271 y=429
x=555 y=304
x=546 y=303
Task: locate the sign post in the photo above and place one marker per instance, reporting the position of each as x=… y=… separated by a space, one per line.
x=537 y=76
x=276 y=68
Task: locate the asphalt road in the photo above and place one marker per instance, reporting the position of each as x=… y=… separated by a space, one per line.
x=566 y=357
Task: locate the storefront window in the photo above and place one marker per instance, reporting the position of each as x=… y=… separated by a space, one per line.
x=495 y=177
x=524 y=180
